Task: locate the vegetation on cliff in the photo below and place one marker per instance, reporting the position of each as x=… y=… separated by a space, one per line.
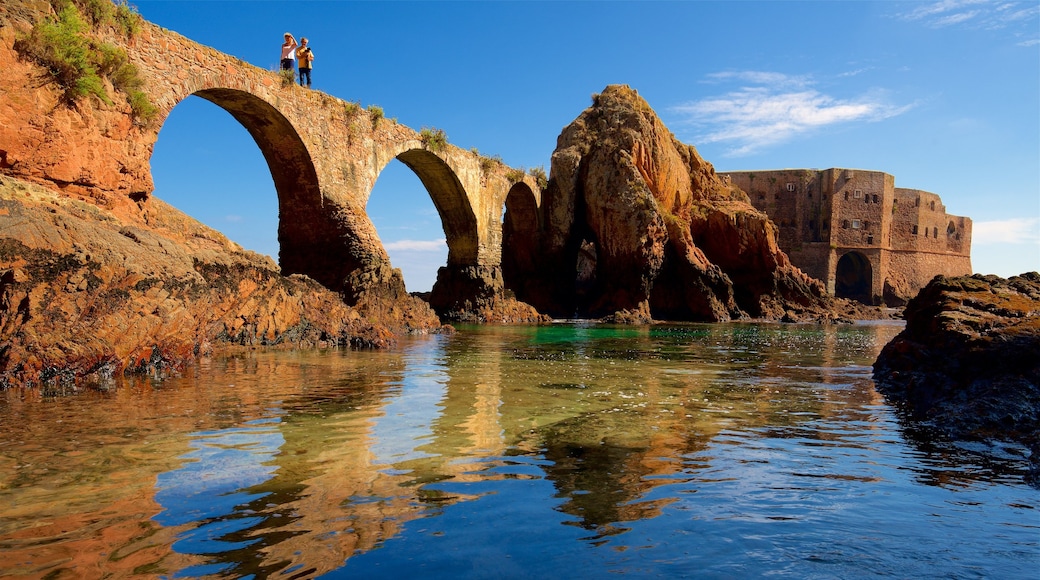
x=67 y=45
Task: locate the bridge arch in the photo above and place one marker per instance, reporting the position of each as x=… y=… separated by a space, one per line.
x=521 y=223
x=314 y=236
x=451 y=200
x=853 y=278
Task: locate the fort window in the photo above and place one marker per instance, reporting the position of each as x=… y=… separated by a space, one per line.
x=875 y=198
x=855 y=224
x=914 y=229
x=870 y=240
x=858 y=193
x=845 y=224
x=933 y=206
x=846 y=196
x=935 y=232
x=790 y=187
x=950 y=229
x=866 y=225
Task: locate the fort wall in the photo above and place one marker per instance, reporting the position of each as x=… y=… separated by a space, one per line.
x=857 y=232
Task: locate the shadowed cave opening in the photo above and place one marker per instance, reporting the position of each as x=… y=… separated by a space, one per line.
x=852 y=278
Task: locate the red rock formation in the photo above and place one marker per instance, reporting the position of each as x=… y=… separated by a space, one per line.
x=85 y=294
x=968 y=361
x=637 y=223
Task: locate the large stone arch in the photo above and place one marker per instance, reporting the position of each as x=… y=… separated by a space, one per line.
x=853 y=278
x=317 y=236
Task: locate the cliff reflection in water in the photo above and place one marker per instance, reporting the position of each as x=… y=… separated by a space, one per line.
x=297 y=463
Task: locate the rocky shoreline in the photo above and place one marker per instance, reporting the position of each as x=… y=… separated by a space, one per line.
x=968 y=362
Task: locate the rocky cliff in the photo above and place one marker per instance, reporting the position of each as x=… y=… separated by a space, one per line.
x=637 y=225
x=85 y=294
x=968 y=362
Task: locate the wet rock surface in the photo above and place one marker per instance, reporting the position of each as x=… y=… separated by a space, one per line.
x=86 y=294
x=968 y=362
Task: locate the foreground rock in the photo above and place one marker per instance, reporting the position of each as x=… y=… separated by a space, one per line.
x=638 y=226
x=968 y=362
x=86 y=294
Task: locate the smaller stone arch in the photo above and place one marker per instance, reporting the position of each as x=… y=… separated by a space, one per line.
x=452 y=203
x=521 y=223
x=853 y=278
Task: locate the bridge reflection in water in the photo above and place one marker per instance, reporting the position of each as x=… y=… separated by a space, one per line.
x=518 y=447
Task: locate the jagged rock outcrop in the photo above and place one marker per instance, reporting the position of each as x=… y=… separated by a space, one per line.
x=86 y=294
x=636 y=223
x=968 y=361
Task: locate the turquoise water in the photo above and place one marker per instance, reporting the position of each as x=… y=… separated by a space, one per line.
x=709 y=451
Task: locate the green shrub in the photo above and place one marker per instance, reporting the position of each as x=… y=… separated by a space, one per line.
x=375 y=112
x=433 y=139
x=288 y=77
x=515 y=175
x=99 y=12
x=488 y=163
x=127 y=18
x=351 y=108
x=63 y=45
x=538 y=173
x=142 y=107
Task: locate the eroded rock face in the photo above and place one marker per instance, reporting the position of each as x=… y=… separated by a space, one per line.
x=968 y=362
x=635 y=222
x=85 y=293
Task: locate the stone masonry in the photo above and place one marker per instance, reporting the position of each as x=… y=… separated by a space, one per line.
x=865 y=238
x=324 y=154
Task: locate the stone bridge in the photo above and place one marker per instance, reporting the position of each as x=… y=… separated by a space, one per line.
x=325 y=155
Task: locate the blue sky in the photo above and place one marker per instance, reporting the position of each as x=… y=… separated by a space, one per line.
x=943 y=95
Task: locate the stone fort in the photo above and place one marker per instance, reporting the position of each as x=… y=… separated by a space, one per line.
x=865 y=238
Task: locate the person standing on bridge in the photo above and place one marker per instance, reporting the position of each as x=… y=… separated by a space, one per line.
x=289 y=52
x=305 y=56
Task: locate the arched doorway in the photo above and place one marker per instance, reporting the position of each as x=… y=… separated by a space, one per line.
x=853 y=277
x=520 y=225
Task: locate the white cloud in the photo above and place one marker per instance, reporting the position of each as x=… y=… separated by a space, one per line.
x=985 y=14
x=233 y=218
x=754 y=117
x=417 y=245
x=1009 y=231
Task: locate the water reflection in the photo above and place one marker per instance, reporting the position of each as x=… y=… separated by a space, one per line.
x=738 y=449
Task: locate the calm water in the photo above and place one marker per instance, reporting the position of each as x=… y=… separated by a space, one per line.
x=715 y=451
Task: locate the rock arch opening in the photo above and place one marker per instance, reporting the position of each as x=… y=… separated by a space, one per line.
x=853 y=278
